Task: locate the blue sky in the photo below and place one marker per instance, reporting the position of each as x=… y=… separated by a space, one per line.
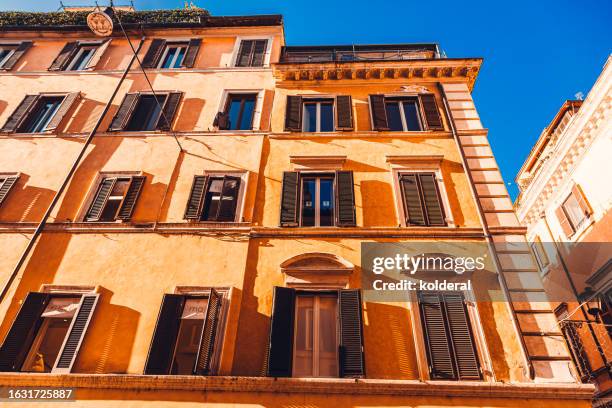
x=536 y=53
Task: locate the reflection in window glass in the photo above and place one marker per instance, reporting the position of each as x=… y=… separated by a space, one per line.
x=403 y=115
x=42 y=114
x=188 y=339
x=318 y=116
x=308 y=202
x=412 y=116
x=327 y=117
x=240 y=109
x=173 y=56
x=326 y=202
x=310 y=117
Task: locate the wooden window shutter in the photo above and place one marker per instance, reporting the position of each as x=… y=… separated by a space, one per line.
x=124 y=112
x=280 y=355
x=8 y=184
x=97 y=206
x=432 y=114
x=582 y=202
x=66 y=105
x=413 y=209
x=290 y=199
x=379 y=112
x=209 y=331
x=566 y=225
x=76 y=333
x=293 y=114
x=95 y=58
x=154 y=53
x=436 y=336
x=431 y=199
x=196 y=198
x=344 y=112
x=464 y=350
x=21 y=49
x=64 y=56
x=345 y=199
x=170 y=107
x=21 y=334
x=244 y=53
x=159 y=360
x=228 y=199
x=192 y=52
x=131 y=197
x=20 y=113
x=259 y=53
x=351 y=334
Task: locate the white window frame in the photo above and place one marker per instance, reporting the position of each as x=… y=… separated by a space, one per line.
x=173 y=44
x=267 y=54
x=259 y=99
x=93 y=189
x=82 y=48
x=13 y=48
x=544 y=269
x=318 y=101
x=244 y=176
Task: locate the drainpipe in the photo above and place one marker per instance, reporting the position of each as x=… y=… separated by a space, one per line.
x=60 y=191
x=486 y=232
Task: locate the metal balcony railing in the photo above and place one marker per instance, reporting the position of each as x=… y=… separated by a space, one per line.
x=299 y=57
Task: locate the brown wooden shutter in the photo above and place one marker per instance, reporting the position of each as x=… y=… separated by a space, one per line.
x=221 y=121
x=21 y=49
x=351 y=335
x=464 y=350
x=566 y=226
x=293 y=114
x=280 y=355
x=244 y=53
x=66 y=105
x=437 y=343
x=192 y=52
x=345 y=199
x=154 y=53
x=98 y=203
x=20 y=113
x=65 y=56
x=98 y=53
x=582 y=202
x=344 y=112
x=170 y=107
x=159 y=360
x=432 y=114
x=131 y=197
x=413 y=209
x=228 y=199
x=21 y=334
x=379 y=112
x=196 y=198
x=431 y=199
x=8 y=184
x=290 y=199
x=259 y=52
x=76 y=333
x=209 y=331
x=124 y=112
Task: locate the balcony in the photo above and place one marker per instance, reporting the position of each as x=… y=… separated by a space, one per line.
x=358 y=53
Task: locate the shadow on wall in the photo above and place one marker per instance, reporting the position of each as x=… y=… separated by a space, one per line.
x=189 y=114
x=379 y=212
x=448 y=168
x=84 y=119
x=3 y=106
x=25 y=203
x=496 y=348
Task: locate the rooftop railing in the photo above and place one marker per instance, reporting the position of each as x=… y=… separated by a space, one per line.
x=299 y=57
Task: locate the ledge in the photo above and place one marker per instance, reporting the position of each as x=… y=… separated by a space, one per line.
x=307 y=385
x=366 y=232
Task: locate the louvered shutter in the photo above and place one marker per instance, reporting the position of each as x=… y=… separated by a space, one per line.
x=9 y=182
x=131 y=197
x=582 y=202
x=97 y=205
x=462 y=342
x=379 y=112
x=67 y=103
x=192 y=52
x=351 y=335
x=431 y=199
x=95 y=58
x=293 y=114
x=412 y=200
x=564 y=222
x=64 y=56
x=18 y=116
x=21 y=334
x=124 y=112
x=289 y=199
x=196 y=198
x=345 y=199
x=259 y=53
x=432 y=114
x=280 y=357
x=154 y=53
x=244 y=53
x=209 y=331
x=76 y=333
x=159 y=360
x=21 y=49
x=170 y=107
x=436 y=338
x=344 y=112
x=228 y=199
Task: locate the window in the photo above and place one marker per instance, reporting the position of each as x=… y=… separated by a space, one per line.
x=147 y=113
x=164 y=54
x=252 y=53
x=41 y=115
x=186 y=335
x=317 y=201
x=318 y=115
x=449 y=342
x=403 y=114
x=422 y=203
x=141 y=112
x=6 y=184
x=82 y=57
x=173 y=55
x=214 y=198
x=79 y=55
x=11 y=53
x=574 y=212
x=115 y=198
x=308 y=114
x=47 y=332
x=6 y=52
x=540 y=253
x=238 y=112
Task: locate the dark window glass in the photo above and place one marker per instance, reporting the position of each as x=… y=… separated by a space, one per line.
x=147 y=112
x=174 y=55
x=240 y=109
x=403 y=115
x=221 y=199
x=326 y=202
x=318 y=201
x=212 y=199
x=318 y=116
x=411 y=114
x=81 y=59
x=42 y=114
x=114 y=200
x=327 y=117
x=308 y=202
x=5 y=54
x=393 y=116
x=310 y=117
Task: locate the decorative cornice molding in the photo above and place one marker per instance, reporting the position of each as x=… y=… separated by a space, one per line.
x=318 y=162
x=412 y=159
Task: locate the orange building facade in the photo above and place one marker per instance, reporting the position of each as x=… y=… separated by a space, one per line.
x=207 y=202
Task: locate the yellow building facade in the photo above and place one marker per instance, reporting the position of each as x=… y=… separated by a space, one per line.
x=207 y=201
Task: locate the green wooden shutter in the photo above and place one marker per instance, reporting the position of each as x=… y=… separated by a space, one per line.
x=124 y=112
x=131 y=197
x=379 y=112
x=462 y=341
x=280 y=357
x=20 y=113
x=413 y=209
x=432 y=114
x=65 y=56
x=6 y=187
x=97 y=206
x=159 y=360
x=431 y=199
x=208 y=335
x=344 y=112
x=345 y=199
x=192 y=52
x=351 y=334
x=154 y=53
x=196 y=198
x=437 y=342
x=289 y=211
x=21 y=49
x=293 y=114
x=170 y=107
